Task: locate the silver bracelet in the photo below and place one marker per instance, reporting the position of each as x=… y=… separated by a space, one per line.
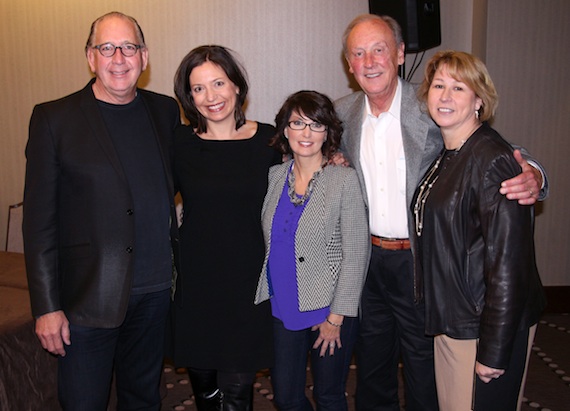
x=333 y=324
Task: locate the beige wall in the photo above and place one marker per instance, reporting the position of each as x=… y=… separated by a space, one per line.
x=288 y=45
x=528 y=58
x=285 y=45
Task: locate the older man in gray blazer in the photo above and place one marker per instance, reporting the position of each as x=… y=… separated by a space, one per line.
x=391 y=142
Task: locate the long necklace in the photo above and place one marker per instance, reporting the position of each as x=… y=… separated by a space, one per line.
x=300 y=200
x=423 y=193
x=428 y=182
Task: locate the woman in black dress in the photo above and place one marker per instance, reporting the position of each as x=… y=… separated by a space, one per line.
x=221 y=163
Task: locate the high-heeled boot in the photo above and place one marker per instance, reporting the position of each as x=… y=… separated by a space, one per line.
x=238 y=397
x=207 y=395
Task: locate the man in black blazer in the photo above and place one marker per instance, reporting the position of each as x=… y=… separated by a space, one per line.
x=391 y=142
x=100 y=225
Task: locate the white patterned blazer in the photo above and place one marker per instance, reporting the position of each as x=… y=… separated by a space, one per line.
x=332 y=242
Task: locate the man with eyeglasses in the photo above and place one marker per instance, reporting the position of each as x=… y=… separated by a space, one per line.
x=100 y=225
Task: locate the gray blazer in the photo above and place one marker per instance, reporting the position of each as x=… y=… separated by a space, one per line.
x=422 y=143
x=421 y=137
x=332 y=243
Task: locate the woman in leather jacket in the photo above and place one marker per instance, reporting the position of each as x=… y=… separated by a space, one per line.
x=483 y=294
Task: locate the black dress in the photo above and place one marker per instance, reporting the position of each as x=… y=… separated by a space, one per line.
x=223 y=183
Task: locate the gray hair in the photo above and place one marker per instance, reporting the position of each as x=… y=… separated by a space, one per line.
x=92 y=32
x=391 y=22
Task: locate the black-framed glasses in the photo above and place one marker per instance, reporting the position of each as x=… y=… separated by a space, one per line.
x=109 y=49
x=314 y=126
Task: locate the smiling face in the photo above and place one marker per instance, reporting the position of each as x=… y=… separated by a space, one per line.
x=214 y=94
x=452 y=104
x=305 y=143
x=373 y=57
x=116 y=76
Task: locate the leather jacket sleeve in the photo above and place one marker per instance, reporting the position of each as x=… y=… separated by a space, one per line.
x=509 y=268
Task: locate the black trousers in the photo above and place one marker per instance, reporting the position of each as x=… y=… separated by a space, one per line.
x=133 y=351
x=502 y=394
x=393 y=327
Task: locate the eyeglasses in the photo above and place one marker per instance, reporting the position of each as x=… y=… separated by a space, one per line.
x=108 y=49
x=314 y=126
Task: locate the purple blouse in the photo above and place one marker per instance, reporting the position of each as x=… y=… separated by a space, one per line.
x=282 y=272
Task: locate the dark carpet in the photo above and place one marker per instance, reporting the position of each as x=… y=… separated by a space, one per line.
x=547 y=387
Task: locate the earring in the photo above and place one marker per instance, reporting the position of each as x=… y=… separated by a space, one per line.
x=477 y=114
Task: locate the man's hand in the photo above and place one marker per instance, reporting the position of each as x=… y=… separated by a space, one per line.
x=52 y=330
x=338 y=159
x=526 y=186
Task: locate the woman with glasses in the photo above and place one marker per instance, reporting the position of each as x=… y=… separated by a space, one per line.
x=317 y=249
x=221 y=162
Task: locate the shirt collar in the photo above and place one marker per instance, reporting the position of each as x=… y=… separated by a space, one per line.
x=395 y=107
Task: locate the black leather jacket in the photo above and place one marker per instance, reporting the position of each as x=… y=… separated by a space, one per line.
x=477 y=250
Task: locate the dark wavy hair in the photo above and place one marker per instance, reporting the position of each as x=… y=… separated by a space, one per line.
x=222 y=57
x=317 y=107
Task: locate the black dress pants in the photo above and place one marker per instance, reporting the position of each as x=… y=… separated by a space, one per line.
x=502 y=394
x=393 y=328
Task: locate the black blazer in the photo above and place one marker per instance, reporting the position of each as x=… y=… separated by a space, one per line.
x=78 y=212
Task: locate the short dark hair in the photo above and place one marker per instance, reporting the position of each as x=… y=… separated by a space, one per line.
x=92 y=32
x=317 y=107
x=225 y=59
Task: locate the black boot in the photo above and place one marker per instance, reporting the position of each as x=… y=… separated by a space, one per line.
x=238 y=397
x=207 y=395
x=209 y=401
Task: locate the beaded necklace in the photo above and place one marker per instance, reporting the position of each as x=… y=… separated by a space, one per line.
x=423 y=193
x=296 y=199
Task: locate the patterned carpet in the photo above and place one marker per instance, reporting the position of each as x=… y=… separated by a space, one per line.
x=548 y=381
x=547 y=388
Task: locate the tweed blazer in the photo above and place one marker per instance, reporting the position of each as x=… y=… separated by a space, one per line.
x=78 y=210
x=332 y=242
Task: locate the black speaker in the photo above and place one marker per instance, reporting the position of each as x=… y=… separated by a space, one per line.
x=419 y=20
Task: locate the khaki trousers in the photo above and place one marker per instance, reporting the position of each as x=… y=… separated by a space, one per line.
x=455 y=371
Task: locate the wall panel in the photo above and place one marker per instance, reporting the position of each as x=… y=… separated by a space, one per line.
x=527 y=56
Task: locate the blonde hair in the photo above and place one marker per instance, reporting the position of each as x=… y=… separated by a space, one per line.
x=468 y=69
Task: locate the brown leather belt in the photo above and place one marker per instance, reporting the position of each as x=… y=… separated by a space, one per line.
x=391 y=243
